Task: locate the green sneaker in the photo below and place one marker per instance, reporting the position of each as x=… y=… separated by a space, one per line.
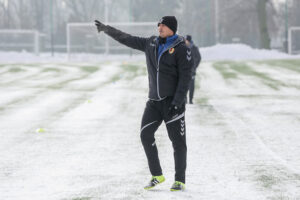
x=155 y=180
x=178 y=186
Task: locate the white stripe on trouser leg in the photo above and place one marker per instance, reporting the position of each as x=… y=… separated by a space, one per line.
x=180 y=116
x=147 y=125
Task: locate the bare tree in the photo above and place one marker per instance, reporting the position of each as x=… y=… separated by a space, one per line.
x=38 y=14
x=263 y=26
x=4 y=15
x=84 y=10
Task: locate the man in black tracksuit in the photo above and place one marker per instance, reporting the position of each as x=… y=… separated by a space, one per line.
x=197 y=59
x=169 y=65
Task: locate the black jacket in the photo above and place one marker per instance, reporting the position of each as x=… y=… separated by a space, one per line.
x=168 y=76
x=196 y=57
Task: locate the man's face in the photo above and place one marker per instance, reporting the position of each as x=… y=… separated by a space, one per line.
x=187 y=43
x=164 y=31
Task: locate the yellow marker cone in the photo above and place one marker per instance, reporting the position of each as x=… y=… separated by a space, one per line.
x=40 y=130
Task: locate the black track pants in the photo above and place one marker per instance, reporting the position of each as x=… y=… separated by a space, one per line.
x=191 y=89
x=156 y=112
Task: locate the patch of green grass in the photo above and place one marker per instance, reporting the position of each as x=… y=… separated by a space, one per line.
x=131 y=71
x=82 y=198
x=62 y=84
x=232 y=70
x=128 y=72
x=114 y=78
x=51 y=69
x=197 y=82
x=245 y=69
x=280 y=197
x=89 y=69
x=261 y=96
x=16 y=70
x=293 y=65
x=21 y=64
x=130 y=67
x=225 y=71
x=249 y=96
x=202 y=101
x=267 y=181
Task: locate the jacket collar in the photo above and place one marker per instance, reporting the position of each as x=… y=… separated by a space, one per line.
x=171 y=39
x=174 y=43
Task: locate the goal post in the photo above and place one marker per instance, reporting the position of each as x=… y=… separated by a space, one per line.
x=84 y=38
x=294 y=40
x=19 y=40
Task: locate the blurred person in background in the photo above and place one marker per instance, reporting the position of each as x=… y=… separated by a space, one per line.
x=197 y=59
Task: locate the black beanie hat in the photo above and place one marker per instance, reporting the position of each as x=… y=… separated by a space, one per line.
x=169 y=21
x=188 y=38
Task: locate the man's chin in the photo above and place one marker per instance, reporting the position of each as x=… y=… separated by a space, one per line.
x=162 y=36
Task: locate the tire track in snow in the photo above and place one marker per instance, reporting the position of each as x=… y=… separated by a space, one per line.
x=244 y=128
x=40 y=110
x=286 y=177
x=16 y=73
x=20 y=164
x=59 y=128
x=55 y=85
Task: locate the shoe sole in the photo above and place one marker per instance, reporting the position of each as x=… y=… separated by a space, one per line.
x=174 y=190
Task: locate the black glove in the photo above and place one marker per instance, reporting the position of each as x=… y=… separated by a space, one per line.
x=100 y=26
x=173 y=109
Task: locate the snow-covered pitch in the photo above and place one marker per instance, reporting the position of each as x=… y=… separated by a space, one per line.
x=70 y=130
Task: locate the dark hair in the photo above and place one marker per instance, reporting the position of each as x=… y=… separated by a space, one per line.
x=188 y=38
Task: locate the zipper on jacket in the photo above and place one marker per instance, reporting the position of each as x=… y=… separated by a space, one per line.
x=157 y=74
x=157 y=69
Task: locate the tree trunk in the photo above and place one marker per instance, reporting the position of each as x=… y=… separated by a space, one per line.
x=262 y=21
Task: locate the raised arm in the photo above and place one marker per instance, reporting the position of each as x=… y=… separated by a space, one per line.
x=134 y=42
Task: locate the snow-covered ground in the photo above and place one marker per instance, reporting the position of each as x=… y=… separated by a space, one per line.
x=242 y=132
